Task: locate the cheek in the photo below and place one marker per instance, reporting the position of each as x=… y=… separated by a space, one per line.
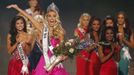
x=94 y=28
x=17 y=26
x=108 y=37
x=98 y=26
x=49 y=18
x=22 y=26
x=120 y=20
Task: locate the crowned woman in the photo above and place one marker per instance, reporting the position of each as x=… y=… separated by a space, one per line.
x=48 y=64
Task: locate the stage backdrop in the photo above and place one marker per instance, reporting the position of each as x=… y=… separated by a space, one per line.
x=70 y=11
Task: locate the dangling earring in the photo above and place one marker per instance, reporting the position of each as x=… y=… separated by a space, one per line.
x=113 y=40
x=124 y=26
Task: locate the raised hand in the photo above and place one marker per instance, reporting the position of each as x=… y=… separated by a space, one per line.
x=113 y=47
x=12 y=6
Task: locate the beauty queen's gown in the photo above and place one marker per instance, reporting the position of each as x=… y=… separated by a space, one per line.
x=81 y=62
x=124 y=59
x=15 y=64
x=34 y=56
x=110 y=66
x=94 y=63
x=57 y=70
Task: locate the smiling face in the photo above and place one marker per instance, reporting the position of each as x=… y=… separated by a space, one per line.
x=33 y=3
x=19 y=25
x=84 y=21
x=109 y=34
x=109 y=23
x=51 y=18
x=121 y=19
x=96 y=25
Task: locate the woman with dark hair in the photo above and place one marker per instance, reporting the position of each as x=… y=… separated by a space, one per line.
x=19 y=46
x=34 y=7
x=126 y=39
x=94 y=31
x=109 y=22
x=108 y=52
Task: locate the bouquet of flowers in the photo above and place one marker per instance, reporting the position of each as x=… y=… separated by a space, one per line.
x=85 y=43
x=88 y=43
x=66 y=48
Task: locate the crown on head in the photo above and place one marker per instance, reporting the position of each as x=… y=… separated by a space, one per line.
x=52 y=6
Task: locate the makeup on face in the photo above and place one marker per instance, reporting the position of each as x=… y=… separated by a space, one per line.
x=121 y=19
x=96 y=25
x=51 y=18
x=109 y=35
x=33 y=3
x=109 y=23
x=19 y=25
x=84 y=21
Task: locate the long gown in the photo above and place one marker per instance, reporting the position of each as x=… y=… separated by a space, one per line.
x=94 y=64
x=124 y=59
x=81 y=58
x=110 y=66
x=34 y=56
x=15 y=64
x=57 y=70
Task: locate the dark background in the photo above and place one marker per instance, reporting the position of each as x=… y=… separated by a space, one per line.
x=70 y=11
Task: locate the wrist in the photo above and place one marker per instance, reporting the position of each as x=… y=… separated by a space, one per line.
x=17 y=43
x=124 y=40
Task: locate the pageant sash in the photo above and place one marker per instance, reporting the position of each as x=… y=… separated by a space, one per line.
x=82 y=31
x=54 y=58
x=54 y=61
x=126 y=54
x=24 y=59
x=45 y=46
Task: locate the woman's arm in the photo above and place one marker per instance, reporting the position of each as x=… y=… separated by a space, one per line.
x=104 y=58
x=130 y=43
x=117 y=52
x=91 y=48
x=76 y=34
x=35 y=23
x=9 y=47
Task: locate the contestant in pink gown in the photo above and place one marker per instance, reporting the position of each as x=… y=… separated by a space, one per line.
x=57 y=70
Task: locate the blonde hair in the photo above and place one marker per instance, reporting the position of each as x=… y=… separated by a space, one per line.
x=82 y=15
x=57 y=29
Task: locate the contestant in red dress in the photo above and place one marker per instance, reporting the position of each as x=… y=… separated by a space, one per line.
x=80 y=32
x=17 y=34
x=109 y=53
x=94 y=63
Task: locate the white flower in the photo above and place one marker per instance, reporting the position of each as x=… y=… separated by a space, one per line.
x=67 y=44
x=71 y=40
x=57 y=45
x=71 y=50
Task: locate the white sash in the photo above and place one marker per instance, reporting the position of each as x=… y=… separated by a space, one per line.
x=82 y=31
x=45 y=46
x=126 y=54
x=24 y=59
x=50 y=62
x=54 y=61
x=54 y=58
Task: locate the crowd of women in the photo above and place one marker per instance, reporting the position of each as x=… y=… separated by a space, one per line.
x=32 y=37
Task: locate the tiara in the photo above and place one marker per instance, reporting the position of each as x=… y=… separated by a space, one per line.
x=52 y=6
x=85 y=14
